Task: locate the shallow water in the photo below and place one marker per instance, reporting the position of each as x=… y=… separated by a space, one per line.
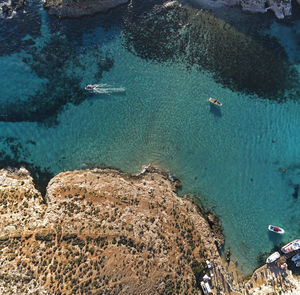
x=231 y=157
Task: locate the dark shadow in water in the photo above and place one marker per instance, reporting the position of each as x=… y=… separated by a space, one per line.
x=14 y=154
x=262 y=256
x=198 y=39
x=14 y=31
x=75 y=28
x=296 y=191
x=274 y=238
x=215 y=110
x=55 y=63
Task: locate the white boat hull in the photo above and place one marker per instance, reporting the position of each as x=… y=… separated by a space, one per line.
x=276 y=229
x=291 y=247
x=273 y=257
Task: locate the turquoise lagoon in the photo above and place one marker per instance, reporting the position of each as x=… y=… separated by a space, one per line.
x=229 y=158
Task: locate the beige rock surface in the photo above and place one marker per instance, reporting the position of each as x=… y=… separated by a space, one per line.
x=101 y=232
x=106 y=232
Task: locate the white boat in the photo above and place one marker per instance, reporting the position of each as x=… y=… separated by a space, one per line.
x=273 y=257
x=296 y=257
x=214 y=101
x=103 y=88
x=91 y=87
x=276 y=229
x=290 y=247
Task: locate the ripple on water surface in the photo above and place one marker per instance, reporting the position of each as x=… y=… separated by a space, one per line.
x=231 y=157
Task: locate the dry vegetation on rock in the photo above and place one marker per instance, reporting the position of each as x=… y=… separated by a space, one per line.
x=106 y=232
x=101 y=232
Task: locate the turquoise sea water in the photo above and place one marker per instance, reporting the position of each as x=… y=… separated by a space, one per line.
x=231 y=157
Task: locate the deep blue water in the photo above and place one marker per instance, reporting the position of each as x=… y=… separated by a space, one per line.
x=170 y=60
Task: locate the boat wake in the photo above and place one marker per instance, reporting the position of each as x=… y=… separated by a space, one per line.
x=104 y=89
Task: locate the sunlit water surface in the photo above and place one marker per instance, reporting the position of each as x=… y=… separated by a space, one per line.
x=230 y=157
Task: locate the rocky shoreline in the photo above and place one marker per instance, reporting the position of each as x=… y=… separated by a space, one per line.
x=104 y=231
x=77 y=8
x=98 y=222
x=12 y=6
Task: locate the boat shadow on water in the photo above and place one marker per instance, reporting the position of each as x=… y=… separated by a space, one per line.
x=215 y=110
x=275 y=238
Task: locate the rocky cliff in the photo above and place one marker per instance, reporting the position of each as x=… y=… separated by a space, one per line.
x=106 y=232
x=101 y=232
x=76 y=8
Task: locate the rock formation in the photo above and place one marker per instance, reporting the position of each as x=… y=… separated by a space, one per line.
x=76 y=8
x=10 y=7
x=281 y=8
x=101 y=232
x=106 y=232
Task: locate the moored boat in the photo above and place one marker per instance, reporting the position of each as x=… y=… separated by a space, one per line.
x=215 y=101
x=290 y=247
x=276 y=229
x=296 y=257
x=273 y=257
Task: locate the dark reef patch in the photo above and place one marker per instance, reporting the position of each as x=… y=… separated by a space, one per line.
x=296 y=191
x=13 y=154
x=60 y=65
x=74 y=29
x=14 y=31
x=181 y=33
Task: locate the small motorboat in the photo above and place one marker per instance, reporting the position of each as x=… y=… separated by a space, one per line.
x=276 y=229
x=291 y=247
x=90 y=87
x=214 y=101
x=273 y=257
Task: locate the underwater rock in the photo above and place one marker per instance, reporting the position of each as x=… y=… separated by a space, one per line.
x=296 y=191
x=55 y=62
x=216 y=227
x=76 y=8
x=17 y=4
x=252 y=64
